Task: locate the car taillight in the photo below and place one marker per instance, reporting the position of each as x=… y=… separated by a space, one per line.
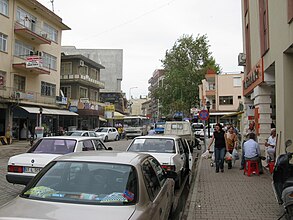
x=169 y=167
x=15 y=169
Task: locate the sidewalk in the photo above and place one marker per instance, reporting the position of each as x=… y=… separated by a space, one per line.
x=16 y=147
x=231 y=195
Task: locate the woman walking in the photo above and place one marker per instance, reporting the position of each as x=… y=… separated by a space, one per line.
x=220 y=148
x=231 y=143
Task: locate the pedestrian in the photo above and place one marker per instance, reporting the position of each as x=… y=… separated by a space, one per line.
x=250 y=129
x=151 y=131
x=120 y=132
x=251 y=151
x=220 y=147
x=271 y=146
x=232 y=142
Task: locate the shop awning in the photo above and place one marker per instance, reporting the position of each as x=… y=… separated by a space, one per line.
x=118 y=115
x=232 y=114
x=47 y=111
x=221 y=113
x=102 y=119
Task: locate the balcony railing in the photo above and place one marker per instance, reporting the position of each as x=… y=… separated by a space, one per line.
x=35 y=34
x=13 y=95
x=85 y=78
x=33 y=65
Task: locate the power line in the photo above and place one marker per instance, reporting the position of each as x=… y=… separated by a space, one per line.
x=131 y=20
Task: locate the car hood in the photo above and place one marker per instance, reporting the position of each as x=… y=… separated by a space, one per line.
x=38 y=160
x=163 y=158
x=21 y=208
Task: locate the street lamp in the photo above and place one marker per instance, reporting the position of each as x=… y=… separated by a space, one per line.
x=130 y=98
x=208 y=104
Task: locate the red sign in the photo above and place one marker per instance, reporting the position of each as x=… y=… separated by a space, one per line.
x=204 y=115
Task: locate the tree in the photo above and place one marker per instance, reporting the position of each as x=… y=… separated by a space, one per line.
x=185 y=66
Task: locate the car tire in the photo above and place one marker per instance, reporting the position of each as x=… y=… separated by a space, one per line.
x=106 y=139
x=117 y=138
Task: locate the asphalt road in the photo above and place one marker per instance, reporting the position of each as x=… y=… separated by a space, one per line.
x=10 y=191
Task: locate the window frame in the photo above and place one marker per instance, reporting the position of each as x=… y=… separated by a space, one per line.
x=3 y=42
x=48 y=89
x=49 y=61
x=227 y=98
x=52 y=32
x=19 y=83
x=4 y=7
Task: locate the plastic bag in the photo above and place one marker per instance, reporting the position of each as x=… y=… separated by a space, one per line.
x=228 y=156
x=235 y=154
x=213 y=156
x=206 y=154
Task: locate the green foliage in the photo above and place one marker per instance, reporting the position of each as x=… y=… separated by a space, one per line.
x=185 y=66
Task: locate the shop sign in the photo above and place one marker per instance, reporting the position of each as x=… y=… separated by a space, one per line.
x=110 y=108
x=253 y=78
x=73 y=109
x=33 y=62
x=250 y=110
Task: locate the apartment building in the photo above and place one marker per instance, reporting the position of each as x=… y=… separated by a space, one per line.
x=30 y=51
x=81 y=84
x=155 y=81
x=268 y=65
x=224 y=93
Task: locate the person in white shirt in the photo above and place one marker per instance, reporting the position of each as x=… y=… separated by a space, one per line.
x=271 y=145
x=252 y=151
x=151 y=131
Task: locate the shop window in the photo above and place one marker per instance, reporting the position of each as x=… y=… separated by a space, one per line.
x=226 y=100
x=19 y=83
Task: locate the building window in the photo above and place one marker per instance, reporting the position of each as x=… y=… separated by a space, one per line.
x=52 y=32
x=83 y=70
x=22 y=50
x=2 y=79
x=19 y=83
x=226 y=100
x=4 y=7
x=94 y=74
x=236 y=81
x=264 y=26
x=66 y=91
x=66 y=68
x=26 y=19
x=239 y=97
x=48 y=89
x=49 y=61
x=3 y=42
x=290 y=11
x=83 y=92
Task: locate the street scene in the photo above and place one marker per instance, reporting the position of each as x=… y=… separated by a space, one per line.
x=163 y=110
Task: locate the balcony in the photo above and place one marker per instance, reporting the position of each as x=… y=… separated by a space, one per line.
x=36 y=34
x=82 y=79
x=210 y=92
x=30 y=64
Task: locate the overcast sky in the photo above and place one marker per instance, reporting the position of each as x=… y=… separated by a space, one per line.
x=145 y=29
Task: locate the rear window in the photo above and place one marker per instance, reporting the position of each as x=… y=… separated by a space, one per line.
x=197 y=126
x=155 y=145
x=53 y=146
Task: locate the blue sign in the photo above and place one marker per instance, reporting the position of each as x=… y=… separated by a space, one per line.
x=204 y=115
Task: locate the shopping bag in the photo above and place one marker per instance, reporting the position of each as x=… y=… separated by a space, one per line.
x=235 y=154
x=206 y=154
x=213 y=156
x=228 y=157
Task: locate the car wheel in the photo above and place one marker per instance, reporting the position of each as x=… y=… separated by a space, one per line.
x=117 y=138
x=106 y=139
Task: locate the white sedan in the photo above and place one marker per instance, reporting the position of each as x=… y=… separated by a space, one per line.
x=108 y=133
x=173 y=153
x=23 y=167
x=96 y=185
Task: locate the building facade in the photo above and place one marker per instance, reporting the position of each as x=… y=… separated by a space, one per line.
x=224 y=93
x=30 y=55
x=268 y=41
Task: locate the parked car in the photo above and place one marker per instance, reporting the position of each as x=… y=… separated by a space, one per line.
x=182 y=129
x=160 y=127
x=81 y=133
x=197 y=128
x=104 y=185
x=171 y=151
x=23 y=167
x=108 y=133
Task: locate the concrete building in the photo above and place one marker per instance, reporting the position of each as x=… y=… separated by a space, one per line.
x=155 y=81
x=268 y=58
x=30 y=57
x=224 y=92
x=112 y=75
x=136 y=105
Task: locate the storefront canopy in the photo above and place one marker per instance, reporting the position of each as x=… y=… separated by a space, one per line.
x=118 y=115
x=102 y=119
x=232 y=114
x=47 y=111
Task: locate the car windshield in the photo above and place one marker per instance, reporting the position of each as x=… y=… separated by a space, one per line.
x=156 y=145
x=85 y=183
x=102 y=130
x=73 y=133
x=53 y=146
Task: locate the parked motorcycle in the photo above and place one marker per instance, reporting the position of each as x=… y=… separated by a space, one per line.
x=283 y=181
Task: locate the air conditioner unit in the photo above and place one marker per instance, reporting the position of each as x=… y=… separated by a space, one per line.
x=81 y=63
x=241 y=59
x=19 y=95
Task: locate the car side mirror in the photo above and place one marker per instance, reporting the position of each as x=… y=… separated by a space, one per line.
x=171 y=174
x=109 y=148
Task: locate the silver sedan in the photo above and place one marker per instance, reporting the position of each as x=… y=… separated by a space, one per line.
x=96 y=185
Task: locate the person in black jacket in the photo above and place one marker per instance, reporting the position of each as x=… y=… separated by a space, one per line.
x=220 y=146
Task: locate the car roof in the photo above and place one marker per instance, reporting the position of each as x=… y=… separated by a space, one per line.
x=106 y=127
x=78 y=138
x=161 y=136
x=118 y=157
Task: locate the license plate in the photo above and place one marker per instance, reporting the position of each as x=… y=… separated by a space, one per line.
x=31 y=169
